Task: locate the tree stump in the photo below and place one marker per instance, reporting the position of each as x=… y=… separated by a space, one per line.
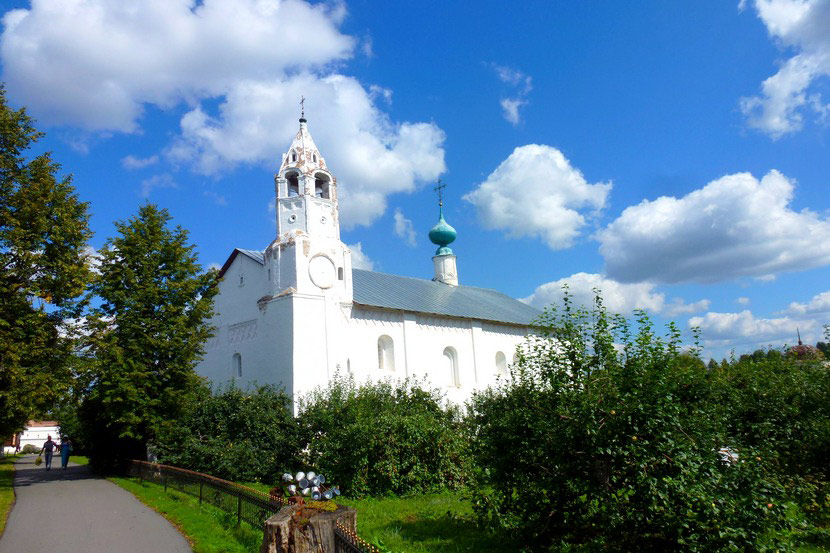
x=298 y=529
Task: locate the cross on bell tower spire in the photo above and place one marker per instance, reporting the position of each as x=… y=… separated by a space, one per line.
x=302 y=109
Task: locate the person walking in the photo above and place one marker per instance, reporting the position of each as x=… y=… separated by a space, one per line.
x=48 y=447
x=66 y=449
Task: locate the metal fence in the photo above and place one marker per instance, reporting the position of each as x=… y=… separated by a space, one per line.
x=244 y=503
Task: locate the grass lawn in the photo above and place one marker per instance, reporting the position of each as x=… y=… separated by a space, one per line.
x=208 y=529
x=430 y=523
x=6 y=488
x=79 y=459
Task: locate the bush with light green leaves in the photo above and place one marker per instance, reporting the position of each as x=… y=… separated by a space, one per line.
x=606 y=437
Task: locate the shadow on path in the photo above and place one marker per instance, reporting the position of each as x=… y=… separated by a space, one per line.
x=26 y=473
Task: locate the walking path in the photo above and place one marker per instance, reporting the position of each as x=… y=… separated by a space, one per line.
x=73 y=511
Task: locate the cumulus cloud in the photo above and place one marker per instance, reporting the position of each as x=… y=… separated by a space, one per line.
x=734 y=226
x=820 y=303
x=536 y=192
x=157 y=52
x=731 y=329
x=251 y=58
x=165 y=180
x=801 y=26
x=404 y=228
x=359 y=259
x=617 y=297
x=370 y=156
x=521 y=84
x=131 y=162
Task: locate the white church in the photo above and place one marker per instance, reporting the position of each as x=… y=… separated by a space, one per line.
x=297 y=313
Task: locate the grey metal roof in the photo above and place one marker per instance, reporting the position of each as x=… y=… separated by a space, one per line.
x=425 y=296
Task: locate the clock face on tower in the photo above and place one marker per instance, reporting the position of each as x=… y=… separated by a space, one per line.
x=321 y=271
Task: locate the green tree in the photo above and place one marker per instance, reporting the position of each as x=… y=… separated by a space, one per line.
x=146 y=336
x=43 y=272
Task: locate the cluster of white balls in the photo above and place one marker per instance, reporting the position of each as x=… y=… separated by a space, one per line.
x=311 y=484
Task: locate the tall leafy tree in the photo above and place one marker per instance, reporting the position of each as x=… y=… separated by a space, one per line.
x=146 y=335
x=43 y=272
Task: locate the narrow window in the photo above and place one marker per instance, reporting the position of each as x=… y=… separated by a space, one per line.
x=501 y=363
x=340 y=273
x=269 y=275
x=293 y=185
x=386 y=353
x=315 y=158
x=451 y=364
x=294 y=156
x=237 y=365
x=242 y=279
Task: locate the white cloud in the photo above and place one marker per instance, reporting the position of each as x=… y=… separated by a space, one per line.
x=252 y=58
x=523 y=85
x=131 y=162
x=536 y=192
x=95 y=63
x=734 y=226
x=370 y=156
x=359 y=259
x=819 y=304
x=731 y=329
x=511 y=106
x=404 y=228
x=743 y=300
x=157 y=181
x=617 y=297
x=802 y=26
x=93 y=259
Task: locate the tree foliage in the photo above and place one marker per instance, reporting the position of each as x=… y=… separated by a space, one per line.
x=147 y=334
x=43 y=272
x=383 y=438
x=607 y=436
x=240 y=435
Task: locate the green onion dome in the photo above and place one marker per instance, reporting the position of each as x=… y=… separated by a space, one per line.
x=442 y=234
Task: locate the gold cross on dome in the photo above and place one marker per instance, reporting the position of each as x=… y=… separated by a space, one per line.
x=440 y=189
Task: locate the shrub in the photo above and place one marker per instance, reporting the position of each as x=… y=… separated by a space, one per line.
x=240 y=435
x=604 y=439
x=30 y=448
x=383 y=438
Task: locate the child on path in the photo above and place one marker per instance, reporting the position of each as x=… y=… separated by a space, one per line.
x=48 y=447
x=66 y=449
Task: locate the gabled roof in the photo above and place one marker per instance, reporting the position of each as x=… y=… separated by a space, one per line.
x=425 y=296
x=257 y=256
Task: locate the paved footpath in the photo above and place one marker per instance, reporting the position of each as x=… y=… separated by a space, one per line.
x=73 y=511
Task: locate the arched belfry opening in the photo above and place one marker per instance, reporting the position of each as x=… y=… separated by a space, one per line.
x=293 y=184
x=322 y=186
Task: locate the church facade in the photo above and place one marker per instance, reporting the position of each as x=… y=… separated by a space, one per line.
x=297 y=313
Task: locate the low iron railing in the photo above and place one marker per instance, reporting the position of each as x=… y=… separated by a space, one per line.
x=246 y=504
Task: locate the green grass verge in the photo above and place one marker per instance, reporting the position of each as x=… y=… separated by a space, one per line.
x=6 y=488
x=429 y=523
x=208 y=529
x=79 y=459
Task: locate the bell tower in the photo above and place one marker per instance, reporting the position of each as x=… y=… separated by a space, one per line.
x=307 y=256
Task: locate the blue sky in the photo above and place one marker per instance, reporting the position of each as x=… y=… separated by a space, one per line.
x=675 y=154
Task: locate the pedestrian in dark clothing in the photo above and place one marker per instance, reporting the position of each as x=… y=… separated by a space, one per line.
x=48 y=448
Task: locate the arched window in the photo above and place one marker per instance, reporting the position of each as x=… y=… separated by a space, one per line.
x=340 y=273
x=293 y=185
x=386 y=353
x=321 y=186
x=515 y=359
x=501 y=363
x=294 y=157
x=237 y=365
x=451 y=366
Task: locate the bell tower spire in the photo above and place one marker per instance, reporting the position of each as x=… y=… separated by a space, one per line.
x=307 y=256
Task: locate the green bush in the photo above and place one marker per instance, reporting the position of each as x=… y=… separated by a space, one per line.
x=605 y=439
x=30 y=448
x=780 y=405
x=383 y=438
x=240 y=435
